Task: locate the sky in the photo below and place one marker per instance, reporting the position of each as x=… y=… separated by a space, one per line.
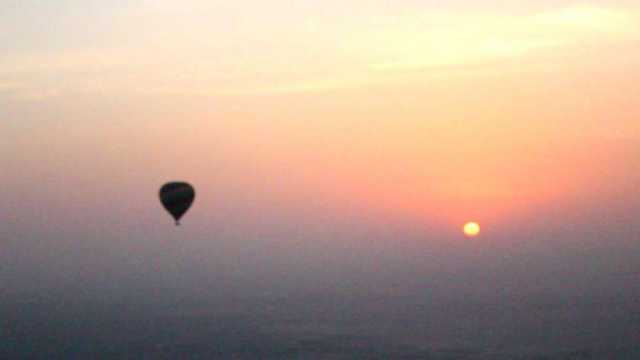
x=335 y=148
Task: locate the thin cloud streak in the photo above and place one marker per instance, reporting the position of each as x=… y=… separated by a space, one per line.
x=432 y=41
x=202 y=60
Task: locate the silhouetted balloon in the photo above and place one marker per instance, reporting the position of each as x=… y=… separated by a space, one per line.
x=177 y=198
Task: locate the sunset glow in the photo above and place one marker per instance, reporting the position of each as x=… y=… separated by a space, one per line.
x=388 y=179
x=381 y=110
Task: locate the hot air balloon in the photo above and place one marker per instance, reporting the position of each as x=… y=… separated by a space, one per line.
x=177 y=197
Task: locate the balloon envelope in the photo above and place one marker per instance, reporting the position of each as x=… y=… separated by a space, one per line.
x=177 y=197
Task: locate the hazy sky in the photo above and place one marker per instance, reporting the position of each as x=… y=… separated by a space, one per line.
x=323 y=138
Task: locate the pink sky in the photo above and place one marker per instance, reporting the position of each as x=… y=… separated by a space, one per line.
x=425 y=113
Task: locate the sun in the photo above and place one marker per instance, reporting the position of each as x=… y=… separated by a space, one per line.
x=471 y=229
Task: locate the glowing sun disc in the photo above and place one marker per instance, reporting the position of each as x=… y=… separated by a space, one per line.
x=471 y=229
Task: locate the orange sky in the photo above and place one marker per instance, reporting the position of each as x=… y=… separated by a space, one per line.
x=446 y=114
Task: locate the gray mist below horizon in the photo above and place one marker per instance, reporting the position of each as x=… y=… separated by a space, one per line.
x=186 y=301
